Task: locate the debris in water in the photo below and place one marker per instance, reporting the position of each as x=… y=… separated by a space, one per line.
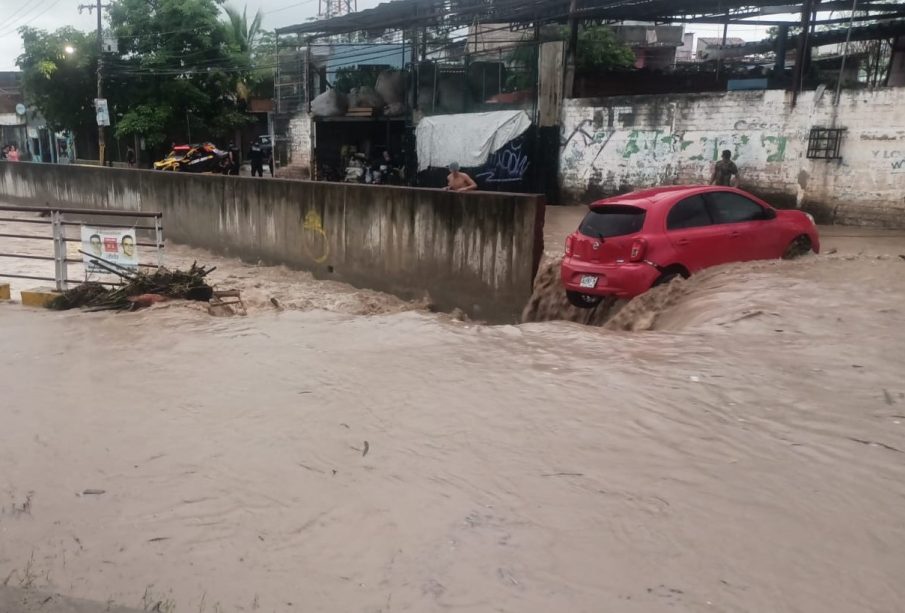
x=276 y=304
x=365 y=449
x=220 y=307
x=744 y=316
x=888 y=397
x=90 y=492
x=137 y=288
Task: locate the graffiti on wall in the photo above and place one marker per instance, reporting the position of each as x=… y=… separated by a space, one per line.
x=592 y=152
x=894 y=157
x=315 y=238
x=507 y=165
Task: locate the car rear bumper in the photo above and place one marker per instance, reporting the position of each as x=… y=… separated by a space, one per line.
x=620 y=280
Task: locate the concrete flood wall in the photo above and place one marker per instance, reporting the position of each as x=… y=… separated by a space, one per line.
x=478 y=252
x=614 y=145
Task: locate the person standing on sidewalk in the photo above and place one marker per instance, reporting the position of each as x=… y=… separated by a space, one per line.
x=256 y=157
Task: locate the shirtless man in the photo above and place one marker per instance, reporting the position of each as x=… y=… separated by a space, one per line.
x=458 y=181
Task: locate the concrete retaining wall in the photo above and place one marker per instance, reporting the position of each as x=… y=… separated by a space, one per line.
x=478 y=251
x=613 y=145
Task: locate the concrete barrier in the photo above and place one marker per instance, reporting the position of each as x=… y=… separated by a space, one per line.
x=478 y=251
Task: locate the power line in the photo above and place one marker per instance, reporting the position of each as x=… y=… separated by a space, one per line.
x=286 y=8
x=20 y=14
x=226 y=65
x=30 y=21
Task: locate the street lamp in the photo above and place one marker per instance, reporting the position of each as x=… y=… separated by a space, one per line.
x=69 y=49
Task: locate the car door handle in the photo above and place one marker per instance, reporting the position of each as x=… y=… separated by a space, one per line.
x=683 y=241
x=735 y=234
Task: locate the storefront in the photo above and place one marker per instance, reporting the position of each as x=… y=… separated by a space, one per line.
x=341 y=143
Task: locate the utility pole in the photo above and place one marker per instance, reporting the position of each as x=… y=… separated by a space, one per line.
x=571 y=51
x=804 y=46
x=101 y=136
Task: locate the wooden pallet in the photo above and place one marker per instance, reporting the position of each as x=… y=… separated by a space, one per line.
x=219 y=306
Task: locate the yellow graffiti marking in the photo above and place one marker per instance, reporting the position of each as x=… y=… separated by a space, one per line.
x=314 y=229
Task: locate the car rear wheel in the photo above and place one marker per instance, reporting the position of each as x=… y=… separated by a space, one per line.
x=797 y=248
x=583 y=301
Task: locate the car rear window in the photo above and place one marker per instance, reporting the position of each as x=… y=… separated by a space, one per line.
x=612 y=220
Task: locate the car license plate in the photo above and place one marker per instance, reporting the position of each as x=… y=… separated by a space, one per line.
x=589 y=281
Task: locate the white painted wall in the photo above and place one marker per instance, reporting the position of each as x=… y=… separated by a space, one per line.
x=613 y=145
x=300 y=142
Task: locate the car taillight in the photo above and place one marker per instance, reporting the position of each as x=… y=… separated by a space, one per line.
x=569 y=240
x=639 y=246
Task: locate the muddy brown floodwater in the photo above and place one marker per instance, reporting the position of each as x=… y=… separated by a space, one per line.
x=742 y=451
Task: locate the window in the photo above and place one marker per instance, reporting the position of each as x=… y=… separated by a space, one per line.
x=824 y=143
x=727 y=207
x=612 y=220
x=689 y=213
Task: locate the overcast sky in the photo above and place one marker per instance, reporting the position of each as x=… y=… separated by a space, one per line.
x=53 y=14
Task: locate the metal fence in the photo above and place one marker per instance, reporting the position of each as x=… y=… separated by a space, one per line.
x=59 y=219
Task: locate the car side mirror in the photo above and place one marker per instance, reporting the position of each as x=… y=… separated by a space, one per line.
x=769 y=214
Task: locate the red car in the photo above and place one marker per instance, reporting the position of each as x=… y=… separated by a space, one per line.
x=627 y=244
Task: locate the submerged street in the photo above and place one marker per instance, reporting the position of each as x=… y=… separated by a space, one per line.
x=742 y=451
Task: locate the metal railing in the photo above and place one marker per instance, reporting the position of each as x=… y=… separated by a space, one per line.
x=54 y=217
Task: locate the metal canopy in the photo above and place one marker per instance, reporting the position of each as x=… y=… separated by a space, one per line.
x=404 y=14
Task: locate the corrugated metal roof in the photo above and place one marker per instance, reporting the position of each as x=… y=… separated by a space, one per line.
x=401 y=14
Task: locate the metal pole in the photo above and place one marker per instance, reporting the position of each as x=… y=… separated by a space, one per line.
x=782 y=42
x=158 y=238
x=499 y=74
x=59 y=251
x=848 y=40
x=571 y=51
x=273 y=141
x=101 y=138
x=798 y=80
x=307 y=78
x=434 y=93
x=719 y=64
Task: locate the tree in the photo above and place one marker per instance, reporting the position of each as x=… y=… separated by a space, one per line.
x=60 y=85
x=243 y=35
x=263 y=65
x=599 y=49
x=253 y=49
x=178 y=71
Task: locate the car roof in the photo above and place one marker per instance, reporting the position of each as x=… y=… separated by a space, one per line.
x=654 y=196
